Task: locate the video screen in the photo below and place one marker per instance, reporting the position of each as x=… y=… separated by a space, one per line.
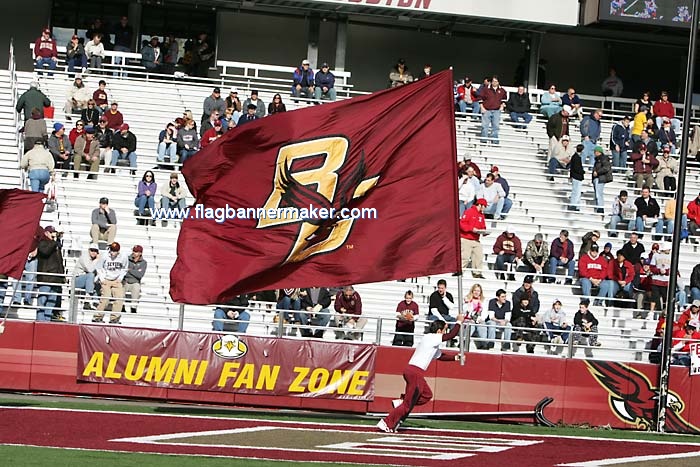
x=672 y=13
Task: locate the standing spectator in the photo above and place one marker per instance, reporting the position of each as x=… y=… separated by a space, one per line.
x=621 y=274
x=87 y=149
x=51 y=275
x=75 y=54
x=95 y=51
x=172 y=195
x=623 y=210
x=660 y=266
x=202 y=54
x=593 y=272
x=124 y=144
x=666 y=171
x=114 y=117
x=39 y=164
x=499 y=317
x=151 y=56
x=45 y=52
x=111 y=270
x=399 y=75
x=572 y=100
x=493 y=100
x=576 y=173
x=519 y=107
x=303 y=80
x=558 y=328
x=146 y=195
x=171 y=50
x=633 y=250
x=249 y=116
x=60 y=147
x=561 y=253
x=536 y=255
x=472 y=225
x=349 y=304
x=236 y=312
x=276 y=106
x=406 y=313
x=644 y=165
x=314 y=310
x=212 y=134
x=134 y=276
x=77 y=97
x=612 y=85
x=440 y=303
x=585 y=327
x=648 y=211
x=508 y=249
x=620 y=142
x=32 y=99
x=104 y=223
x=664 y=109
x=187 y=141
x=324 y=84
x=35 y=130
x=85 y=273
x=90 y=115
x=167 y=143
x=255 y=102
x=467 y=98
x=123 y=38
x=694 y=216
x=551 y=102
x=104 y=136
x=25 y=286
x=101 y=97
x=602 y=174
x=427 y=71
x=557 y=127
x=213 y=103
x=590 y=134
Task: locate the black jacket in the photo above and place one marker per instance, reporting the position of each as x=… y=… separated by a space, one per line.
x=104 y=137
x=695 y=277
x=650 y=209
x=631 y=253
x=324 y=299
x=518 y=103
x=50 y=260
x=603 y=168
x=576 y=167
x=120 y=141
x=518 y=295
x=436 y=302
x=578 y=318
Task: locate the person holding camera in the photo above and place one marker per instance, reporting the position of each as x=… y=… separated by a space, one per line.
x=50 y=274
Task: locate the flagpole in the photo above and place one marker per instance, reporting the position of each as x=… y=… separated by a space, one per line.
x=665 y=364
x=460 y=308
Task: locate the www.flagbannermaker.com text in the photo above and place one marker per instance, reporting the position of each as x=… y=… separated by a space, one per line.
x=223 y=214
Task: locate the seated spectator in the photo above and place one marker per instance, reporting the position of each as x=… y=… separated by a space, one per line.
x=212 y=134
x=476 y=314
x=78 y=130
x=167 y=143
x=101 y=98
x=620 y=142
x=651 y=143
x=276 y=106
x=440 y=303
x=255 y=102
x=95 y=51
x=633 y=250
x=400 y=75
x=87 y=151
x=518 y=106
x=77 y=97
x=562 y=254
x=134 y=276
x=561 y=156
x=690 y=315
x=324 y=84
x=664 y=108
x=39 y=164
x=104 y=223
x=623 y=211
x=90 y=115
x=406 y=313
x=593 y=272
x=210 y=122
x=85 y=273
x=509 y=251
x=551 y=102
x=621 y=274
x=653 y=132
x=104 y=136
x=681 y=344
x=536 y=255
x=45 y=52
x=146 y=195
x=557 y=127
x=607 y=252
x=467 y=98
x=647 y=211
x=572 y=100
x=588 y=240
x=213 y=103
x=348 y=305
x=644 y=165
x=227 y=120
x=124 y=144
x=172 y=195
x=427 y=71
x=498 y=178
x=666 y=171
x=249 y=116
x=585 y=327
x=667 y=137
x=114 y=117
x=187 y=141
x=35 y=130
x=151 y=56
x=303 y=80
x=60 y=147
x=111 y=270
x=223 y=315
x=494 y=195
x=468 y=186
x=694 y=217
x=668 y=216
x=314 y=311
x=288 y=299
x=499 y=318
x=524 y=316
x=75 y=55
x=557 y=327
x=232 y=101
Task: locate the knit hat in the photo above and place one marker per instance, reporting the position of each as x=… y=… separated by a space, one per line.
x=598 y=149
x=57 y=126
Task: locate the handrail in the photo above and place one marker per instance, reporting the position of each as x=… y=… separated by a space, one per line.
x=17 y=124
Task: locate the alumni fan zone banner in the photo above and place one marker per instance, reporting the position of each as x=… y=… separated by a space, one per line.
x=225 y=362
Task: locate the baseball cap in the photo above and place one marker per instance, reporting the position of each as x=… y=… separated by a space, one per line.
x=94 y=246
x=667 y=148
x=556 y=300
x=696 y=303
x=401 y=61
x=482 y=202
x=217 y=123
x=125 y=126
x=57 y=126
x=104 y=200
x=217 y=90
x=627 y=117
x=104 y=119
x=137 y=249
x=252 y=106
x=494 y=168
x=233 y=91
x=46 y=31
x=49 y=229
x=528 y=279
x=510 y=229
x=585 y=301
x=565 y=138
x=154 y=37
x=467 y=79
x=74 y=36
x=595 y=247
x=114 y=246
x=254 y=92
x=305 y=62
x=90 y=129
x=324 y=65
x=642 y=147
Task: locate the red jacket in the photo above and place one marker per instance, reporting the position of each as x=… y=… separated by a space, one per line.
x=592 y=268
x=209 y=137
x=664 y=109
x=471 y=219
x=678 y=337
x=462 y=91
x=74 y=133
x=615 y=272
x=114 y=121
x=684 y=318
x=45 y=48
x=492 y=98
x=694 y=211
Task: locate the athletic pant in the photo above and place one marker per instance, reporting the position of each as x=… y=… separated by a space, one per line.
x=417 y=393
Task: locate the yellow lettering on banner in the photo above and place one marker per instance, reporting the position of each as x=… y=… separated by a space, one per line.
x=110 y=373
x=161 y=372
x=185 y=371
x=95 y=365
x=201 y=372
x=358 y=383
x=129 y=370
x=227 y=372
x=268 y=377
x=318 y=379
x=246 y=377
x=296 y=384
x=339 y=381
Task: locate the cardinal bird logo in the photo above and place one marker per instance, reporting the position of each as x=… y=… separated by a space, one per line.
x=633 y=399
x=317 y=198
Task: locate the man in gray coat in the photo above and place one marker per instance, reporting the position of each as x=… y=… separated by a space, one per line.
x=134 y=274
x=104 y=223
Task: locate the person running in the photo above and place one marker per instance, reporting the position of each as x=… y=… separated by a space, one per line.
x=417 y=391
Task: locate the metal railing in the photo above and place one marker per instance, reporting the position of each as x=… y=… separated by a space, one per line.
x=16 y=122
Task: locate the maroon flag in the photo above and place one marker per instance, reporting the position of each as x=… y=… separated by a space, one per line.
x=391 y=154
x=20 y=212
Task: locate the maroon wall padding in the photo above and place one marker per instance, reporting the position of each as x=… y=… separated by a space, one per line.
x=16 y=345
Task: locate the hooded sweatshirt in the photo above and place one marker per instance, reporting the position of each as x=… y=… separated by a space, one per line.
x=112 y=269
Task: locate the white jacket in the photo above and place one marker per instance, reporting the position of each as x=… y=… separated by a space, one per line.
x=94 y=49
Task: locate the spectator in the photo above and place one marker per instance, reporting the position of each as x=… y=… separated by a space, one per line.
x=101 y=97
x=585 y=327
x=499 y=318
x=124 y=144
x=667 y=221
x=111 y=270
x=440 y=303
x=288 y=299
x=25 y=286
x=561 y=156
x=233 y=101
x=476 y=314
x=576 y=173
x=536 y=255
x=647 y=211
x=95 y=51
x=494 y=195
x=468 y=186
x=167 y=143
x=213 y=103
x=467 y=162
x=276 y=106
x=643 y=104
x=172 y=195
x=32 y=99
x=90 y=115
x=694 y=216
x=633 y=250
x=621 y=275
x=526 y=305
x=467 y=98
x=519 y=107
x=690 y=315
x=557 y=127
x=87 y=150
x=558 y=328
x=695 y=283
x=134 y=276
x=348 y=303
x=85 y=273
x=427 y=71
x=314 y=304
x=146 y=195
x=104 y=223
x=664 y=109
x=588 y=240
x=39 y=164
x=660 y=266
x=612 y=85
x=644 y=165
x=652 y=147
x=602 y=174
x=324 y=84
x=75 y=54
x=590 y=134
x=255 y=102
x=227 y=121
x=472 y=225
x=77 y=131
x=212 y=134
x=561 y=253
x=114 y=117
x=250 y=116
x=239 y=314
x=623 y=210
x=187 y=141
x=509 y=251
x=406 y=313
x=572 y=100
x=607 y=252
x=77 y=97
x=151 y=56
x=620 y=142
x=45 y=53
x=171 y=50
x=666 y=171
x=97 y=27
x=60 y=147
x=551 y=103
x=210 y=122
x=123 y=37
x=493 y=101
x=681 y=344
x=303 y=80
x=667 y=137
x=104 y=136
x=497 y=178
x=653 y=132
x=638 y=125
x=202 y=54
x=400 y=75
x=593 y=272
x=51 y=275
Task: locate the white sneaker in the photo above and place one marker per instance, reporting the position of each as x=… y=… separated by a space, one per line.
x=383 y=427
x=557 y=340
x=396 y=402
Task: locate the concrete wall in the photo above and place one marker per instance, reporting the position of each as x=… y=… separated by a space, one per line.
x=23 y=21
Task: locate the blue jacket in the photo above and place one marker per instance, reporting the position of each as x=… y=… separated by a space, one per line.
x=620 y=136
x=325 y=79
x=305 y=79
x=590 y=127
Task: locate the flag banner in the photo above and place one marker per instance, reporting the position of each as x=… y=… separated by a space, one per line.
x=694 y=359
x=361 y=190
x=226 y=362
x=20 y=211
